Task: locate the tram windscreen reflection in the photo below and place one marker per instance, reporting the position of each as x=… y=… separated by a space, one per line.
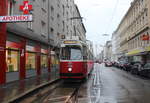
x=71 y=53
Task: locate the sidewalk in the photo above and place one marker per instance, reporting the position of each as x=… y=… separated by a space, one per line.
x=17 y=88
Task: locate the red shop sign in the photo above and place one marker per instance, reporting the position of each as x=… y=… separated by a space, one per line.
x=145 y=37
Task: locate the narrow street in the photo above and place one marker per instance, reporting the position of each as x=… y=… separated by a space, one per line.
x=111 y=85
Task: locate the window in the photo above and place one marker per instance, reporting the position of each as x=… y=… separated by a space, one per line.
x=44 y=61
x=58 y=36
x=12 y=60
x=52 y=9
x=10 y=7
x=63 y=25
x=30 y=60
x=52 y=30
x=63 y=9
x=52 y=18
x=43 y=27
x=44 y=4
x=71 y=53
x=58 y=16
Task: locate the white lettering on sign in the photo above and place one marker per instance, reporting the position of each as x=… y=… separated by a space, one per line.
x=26 y=6
x=16 y=18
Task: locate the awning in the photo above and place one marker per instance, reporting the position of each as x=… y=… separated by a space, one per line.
x=137 y=52
x=147 y=48
x=134 y=52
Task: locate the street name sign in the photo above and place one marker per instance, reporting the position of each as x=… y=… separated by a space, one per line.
x=16 y=18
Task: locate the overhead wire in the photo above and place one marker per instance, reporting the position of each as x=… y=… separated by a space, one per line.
x=112 y=17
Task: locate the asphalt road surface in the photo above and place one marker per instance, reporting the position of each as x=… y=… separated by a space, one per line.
x=111 y=85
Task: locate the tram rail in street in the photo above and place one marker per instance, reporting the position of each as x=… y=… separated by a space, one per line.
x=48 y=93
x=32 y=91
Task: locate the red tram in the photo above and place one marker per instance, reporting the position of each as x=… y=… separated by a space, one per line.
x=76 y=60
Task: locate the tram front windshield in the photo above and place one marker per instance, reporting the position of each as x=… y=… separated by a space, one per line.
x=71 y=53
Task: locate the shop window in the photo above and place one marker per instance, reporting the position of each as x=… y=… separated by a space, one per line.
x=44 y=61
x=12 y=60
x=30 y=60
x=52 y=60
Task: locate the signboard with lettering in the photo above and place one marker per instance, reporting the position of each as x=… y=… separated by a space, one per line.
x=16 y=18
x=71 y=42
x=145 y=37
x=19 y=18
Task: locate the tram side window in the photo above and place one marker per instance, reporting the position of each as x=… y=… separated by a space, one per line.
x=65 y=54
x=85 y=52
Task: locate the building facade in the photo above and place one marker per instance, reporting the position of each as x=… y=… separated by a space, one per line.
x=33 y=47
x=134 y=31
x=108 y=51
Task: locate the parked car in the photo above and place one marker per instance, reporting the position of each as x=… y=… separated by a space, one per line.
x=116 y=64
x=108 y=64
x=136 y=68
x=145 y=70
x=121 y=65
x=126 y=66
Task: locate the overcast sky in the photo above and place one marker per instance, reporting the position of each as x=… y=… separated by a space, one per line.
x=102 y=17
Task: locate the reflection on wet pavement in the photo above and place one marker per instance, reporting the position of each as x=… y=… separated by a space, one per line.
x=110 y=85
x=11 y=90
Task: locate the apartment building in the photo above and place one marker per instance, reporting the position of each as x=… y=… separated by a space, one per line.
x=32 y=47
x=108 y=50
x=134 y=31
x=116 y=52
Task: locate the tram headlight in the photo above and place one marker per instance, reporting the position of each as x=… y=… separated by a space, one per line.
x=69 y=69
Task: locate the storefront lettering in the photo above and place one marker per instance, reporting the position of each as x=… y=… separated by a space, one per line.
x=16 y=18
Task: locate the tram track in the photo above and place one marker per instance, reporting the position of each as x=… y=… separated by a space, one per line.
x=57 y=92
x=70 y=96
x=30 y=95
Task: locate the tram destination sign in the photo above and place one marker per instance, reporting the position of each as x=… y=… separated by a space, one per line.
x=71 y=42
x=16 y=18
